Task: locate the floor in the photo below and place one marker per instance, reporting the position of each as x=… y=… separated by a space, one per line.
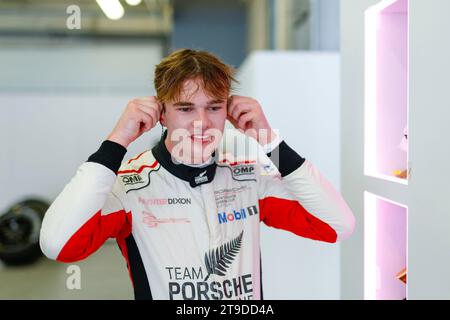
x=103 y=275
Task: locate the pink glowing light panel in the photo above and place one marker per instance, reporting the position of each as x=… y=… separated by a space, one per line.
x=386 y=100
x=391 y=249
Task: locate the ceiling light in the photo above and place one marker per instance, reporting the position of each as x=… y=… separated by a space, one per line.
x=133 y=2
x=112 y=8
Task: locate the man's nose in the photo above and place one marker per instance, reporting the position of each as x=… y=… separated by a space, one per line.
x=202 y=120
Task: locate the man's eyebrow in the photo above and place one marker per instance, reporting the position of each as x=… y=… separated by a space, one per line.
x=215 y=101
x=183 y=104
x=190 y=104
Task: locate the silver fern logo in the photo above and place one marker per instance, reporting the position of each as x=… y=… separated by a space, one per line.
x=201 y=178
x=219 y=259
x=190 y=283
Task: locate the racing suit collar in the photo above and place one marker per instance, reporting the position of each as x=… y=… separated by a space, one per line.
x=194 y=175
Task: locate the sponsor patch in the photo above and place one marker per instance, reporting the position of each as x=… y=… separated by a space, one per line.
x=234 y=215
x=132 y=179
x=211 y=283
x=243 y=170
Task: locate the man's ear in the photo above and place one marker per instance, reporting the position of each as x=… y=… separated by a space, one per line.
x=162 y=119
x=229 y=102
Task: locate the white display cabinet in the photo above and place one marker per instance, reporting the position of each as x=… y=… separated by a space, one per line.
x=385 y=146
x=385 y=247
x=394 y=81
x=386 y=90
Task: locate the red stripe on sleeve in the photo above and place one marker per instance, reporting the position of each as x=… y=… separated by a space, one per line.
x=94 y=233
x=290 y=215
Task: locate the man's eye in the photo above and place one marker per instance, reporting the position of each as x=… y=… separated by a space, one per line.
x=216 y=108
x=184 y=109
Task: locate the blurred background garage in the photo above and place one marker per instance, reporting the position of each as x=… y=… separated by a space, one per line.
x=68 y=69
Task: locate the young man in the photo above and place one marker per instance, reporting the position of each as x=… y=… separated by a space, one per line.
x=186 y=214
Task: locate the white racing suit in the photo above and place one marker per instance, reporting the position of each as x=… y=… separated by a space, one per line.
x=186 y=232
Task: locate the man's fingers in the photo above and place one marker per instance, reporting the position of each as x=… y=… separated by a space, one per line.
x=150 y=110
x=233 y=122
x=235 y=99
x=149 y=118
x=243 y=119
x=150 y=102
x=230 y=104
x=240 y=109
x=148 y=98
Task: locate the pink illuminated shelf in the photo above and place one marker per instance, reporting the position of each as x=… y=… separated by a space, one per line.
x=385 y=248
x=386 y=89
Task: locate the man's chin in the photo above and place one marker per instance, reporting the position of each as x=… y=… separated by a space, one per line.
x=201 y=157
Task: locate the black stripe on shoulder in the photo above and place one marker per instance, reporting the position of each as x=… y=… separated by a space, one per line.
x=110 y=154
x=285 y=159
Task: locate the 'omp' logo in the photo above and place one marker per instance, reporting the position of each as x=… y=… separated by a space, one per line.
x=132 y=179
x=225 y=217
x=243 y=170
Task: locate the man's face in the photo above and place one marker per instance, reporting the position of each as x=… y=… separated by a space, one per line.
x=194 y=124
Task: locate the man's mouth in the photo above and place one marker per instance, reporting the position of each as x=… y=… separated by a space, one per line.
x=201 y=138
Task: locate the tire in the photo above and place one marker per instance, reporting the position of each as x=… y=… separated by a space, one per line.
x=19 y=232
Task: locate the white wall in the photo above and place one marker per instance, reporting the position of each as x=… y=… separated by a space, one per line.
x=352 y=135
x=325 y=25
x=429 y=114
x=320 y=30
x=299 y=93
x=59 y=100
